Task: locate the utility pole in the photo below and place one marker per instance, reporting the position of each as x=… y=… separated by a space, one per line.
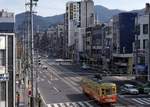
x=31 y=3
x=149 y=50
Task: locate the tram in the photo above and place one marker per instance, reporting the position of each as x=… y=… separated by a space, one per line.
x=102 y=91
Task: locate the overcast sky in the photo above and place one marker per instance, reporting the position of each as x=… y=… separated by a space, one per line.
x=54 y=7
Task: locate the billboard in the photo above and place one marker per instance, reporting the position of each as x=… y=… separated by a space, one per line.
x=2 y=69
x=2 y=42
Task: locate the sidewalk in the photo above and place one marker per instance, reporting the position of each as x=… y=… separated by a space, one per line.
x=23 y=97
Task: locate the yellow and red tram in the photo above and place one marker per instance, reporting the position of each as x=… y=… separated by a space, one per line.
x=103 y=92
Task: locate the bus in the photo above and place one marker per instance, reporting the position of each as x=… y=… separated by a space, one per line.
x=102 y=91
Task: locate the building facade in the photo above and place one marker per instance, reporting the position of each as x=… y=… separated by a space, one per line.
x=79 y=15
x=7 y=59
x=141 y=52
x=123 y=39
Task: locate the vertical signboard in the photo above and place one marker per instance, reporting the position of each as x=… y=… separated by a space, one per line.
x=2 y=54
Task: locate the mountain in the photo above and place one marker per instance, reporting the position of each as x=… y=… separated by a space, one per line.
x=140 y=12
x=39 y=21
x=103 y=14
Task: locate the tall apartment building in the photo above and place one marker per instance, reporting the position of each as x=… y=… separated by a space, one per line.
x=79 y=16
x=7 y=59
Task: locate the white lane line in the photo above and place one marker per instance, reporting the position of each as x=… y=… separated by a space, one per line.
x=67 y=82
x=68 y=104
x=49 y=82
x=88 y=104
x=62 y=104
x=75 y=79
x=56 y=89
x=146 y=100
x=55 y=105
x=75 y=104
x=73 y=83
x=142 y=101
x=49 y=105
x=42 y=97
x=81 y=103
x=72 y=104
x=137 y=101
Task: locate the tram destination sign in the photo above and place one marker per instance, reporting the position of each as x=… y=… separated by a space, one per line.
x=4 y=77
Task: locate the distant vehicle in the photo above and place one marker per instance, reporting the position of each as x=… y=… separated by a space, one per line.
x=129 y=89
x=103 y=92
x=44 y=67
x=144 y=89
x=85 y=66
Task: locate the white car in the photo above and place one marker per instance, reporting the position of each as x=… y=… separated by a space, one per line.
x=44 y=67
x=129 y=89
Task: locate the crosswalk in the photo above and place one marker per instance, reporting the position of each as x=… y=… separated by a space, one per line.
x=72 y=104
x=142 y=101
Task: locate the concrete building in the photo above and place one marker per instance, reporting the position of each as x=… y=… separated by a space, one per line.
x=7 y=59
x=141 y=45
x=79 y=15
x=107 y=45
x=51 y=33
x=123 y=39
x=56 y=38
x=93 y=45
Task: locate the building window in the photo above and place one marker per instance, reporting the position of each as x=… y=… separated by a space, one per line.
x=138 y=30
x=2 y=58
x=138 y=44
x=145 y=29
x=144 y=44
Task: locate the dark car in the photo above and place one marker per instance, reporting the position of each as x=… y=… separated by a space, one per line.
x=144 y=89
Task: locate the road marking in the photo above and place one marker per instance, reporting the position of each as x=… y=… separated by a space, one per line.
x=75 y=104
x=62 y=104
x=81 y=103
x=147 y=100
x=49 y=82
x=76 y=79
x=143 y=100
x=137 y=101
x=55 y=105
x=49 y=105
x=56 y=89
x=67 y=82
x=42 y=97
x=73 y=83
x=88 y=104
x=72 y=104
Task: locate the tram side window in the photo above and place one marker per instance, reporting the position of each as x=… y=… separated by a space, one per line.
x=108 y=92
x=113 y=90
x=103 y=91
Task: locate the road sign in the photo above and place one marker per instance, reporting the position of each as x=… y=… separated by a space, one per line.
x=4 y=77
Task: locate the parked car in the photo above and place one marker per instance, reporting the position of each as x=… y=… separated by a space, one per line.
x=144 y=89
x=129 y=89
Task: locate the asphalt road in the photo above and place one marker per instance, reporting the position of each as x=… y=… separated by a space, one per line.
x=61 y=89
x=59 y=86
